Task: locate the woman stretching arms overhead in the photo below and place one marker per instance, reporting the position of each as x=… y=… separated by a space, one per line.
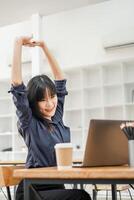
x=40 y=107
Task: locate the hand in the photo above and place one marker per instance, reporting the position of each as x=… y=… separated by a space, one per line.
x=122 y=125
x=39 y=43
x=25 y=40
x=131 y=124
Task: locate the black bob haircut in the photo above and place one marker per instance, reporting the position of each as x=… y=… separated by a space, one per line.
x=36 y=90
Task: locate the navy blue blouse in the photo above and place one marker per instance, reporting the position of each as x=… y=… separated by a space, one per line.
x=39 y=140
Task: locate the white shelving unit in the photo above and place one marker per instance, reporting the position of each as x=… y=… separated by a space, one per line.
x=11 y=144
x=102 y=91
x=105 y=90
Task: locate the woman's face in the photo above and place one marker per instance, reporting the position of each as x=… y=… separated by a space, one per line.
x=47 y=106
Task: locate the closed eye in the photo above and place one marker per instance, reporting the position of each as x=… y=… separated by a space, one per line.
x=52 y=96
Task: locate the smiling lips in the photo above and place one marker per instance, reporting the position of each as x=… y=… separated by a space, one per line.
x=49 y=110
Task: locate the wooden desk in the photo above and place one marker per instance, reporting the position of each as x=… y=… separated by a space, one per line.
x=92 y=175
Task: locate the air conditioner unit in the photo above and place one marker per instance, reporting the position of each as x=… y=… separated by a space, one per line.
x=119 y=39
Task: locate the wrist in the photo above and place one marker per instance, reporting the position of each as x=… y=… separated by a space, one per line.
x=19 y=41
x=42 y=45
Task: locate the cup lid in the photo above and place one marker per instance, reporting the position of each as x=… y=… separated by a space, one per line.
x=63 y=145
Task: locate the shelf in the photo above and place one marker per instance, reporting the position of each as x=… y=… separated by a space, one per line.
x=102 y=91
x=4 y=88
x=20 y=152
x=114 y=113
x=92 y=108
x=76 y=141
x=128 y=71
x=112 y=73
x=73 y=119
x=129 y=82
x=18 y=143
x=113 y=95
x=112 y=85
x=6 y=134
x=113 y=105
x=5 y=125
x=26 y=68
x=86 y=129
x=3 y=98
x=74 y=90
x=7 y=115
x=6 y=106
x=76 y=129
x=129 y=92
x=26 y=71
x=5 y=142
x=96 y=113
x=78 y=154
x=91 y=88
x=92 y=77
x=73 y=100
x=129 y=112
x=72 y=109
x=7 y=155
x=20 y=155
x=129 y=104
x=74 y=81
x=93 y=97
x=10 y=155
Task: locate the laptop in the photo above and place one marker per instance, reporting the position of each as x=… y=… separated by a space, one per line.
x=106 y=144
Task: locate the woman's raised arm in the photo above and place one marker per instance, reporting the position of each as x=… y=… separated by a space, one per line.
x=57 y=72
x=16 y=71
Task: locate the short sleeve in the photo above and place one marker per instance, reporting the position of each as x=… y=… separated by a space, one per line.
x=61 y=93
x=21 y=103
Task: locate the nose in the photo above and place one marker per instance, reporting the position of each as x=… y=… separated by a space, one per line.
x=49 y=104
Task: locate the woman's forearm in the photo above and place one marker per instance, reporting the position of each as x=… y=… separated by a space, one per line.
x=16 y=72
x=57 y=72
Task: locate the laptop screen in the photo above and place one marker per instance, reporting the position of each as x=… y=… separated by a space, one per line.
x=106 y=144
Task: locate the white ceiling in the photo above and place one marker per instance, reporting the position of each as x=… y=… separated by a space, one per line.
x=13 y=11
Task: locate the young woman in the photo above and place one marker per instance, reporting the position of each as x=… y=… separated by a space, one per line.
x=40 y=111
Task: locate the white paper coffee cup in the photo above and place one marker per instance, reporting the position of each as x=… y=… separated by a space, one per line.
x=64 y=153
x=131 y=152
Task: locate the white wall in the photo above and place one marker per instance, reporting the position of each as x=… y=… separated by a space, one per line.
x=7 y=36
x=77 y=36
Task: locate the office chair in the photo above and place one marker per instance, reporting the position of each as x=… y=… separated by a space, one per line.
x=107 y=188
x=8 y=196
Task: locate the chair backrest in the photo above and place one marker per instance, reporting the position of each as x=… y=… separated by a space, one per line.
x=6 y=175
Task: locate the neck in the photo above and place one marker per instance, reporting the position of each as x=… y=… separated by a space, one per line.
x=47 y=117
